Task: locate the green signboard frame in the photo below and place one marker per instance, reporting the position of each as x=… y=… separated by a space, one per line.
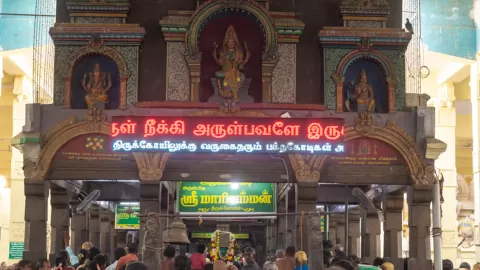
x=208 y=235
x=220 y=198
x=15 y=250
x=126 y=217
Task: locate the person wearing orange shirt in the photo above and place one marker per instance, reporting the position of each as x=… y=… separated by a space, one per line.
x=131 y=256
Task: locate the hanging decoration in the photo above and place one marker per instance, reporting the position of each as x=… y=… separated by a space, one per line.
x=215 y=251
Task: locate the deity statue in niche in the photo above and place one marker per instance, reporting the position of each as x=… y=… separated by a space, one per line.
x=97 y=84
x=360 y=96
x=231 y=59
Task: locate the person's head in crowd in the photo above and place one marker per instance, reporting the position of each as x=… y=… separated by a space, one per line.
x=60 y=263
x=249 y=255
x=82 y=256
x=43 y=264
x=378 y=262
x=87 y=245
x=301 y=257
x=201 y=248
x=476 y=266
x=132 y=248
x=345 y=264
x=169 y=252
x=290 y=252
x=208 y=266
x=334 y=268
x=219 y=265
x=118 y=253
x=181 y=262
x=269 y=266
x=447 y=264
x=64 y=254
x=101 y=261
x=387 y=266
x=280 y=254
x=464 y=266
x=136 y=265
x=92 y=252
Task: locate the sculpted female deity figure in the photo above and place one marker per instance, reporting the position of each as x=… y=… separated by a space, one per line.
x=232 y=60
x=362 y=94
x=97 y=85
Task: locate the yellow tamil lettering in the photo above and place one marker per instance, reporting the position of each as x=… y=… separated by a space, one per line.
x=224 y=197
x=265 y=199
x=205 y=199
x=253 y=199
x=123 y=216
x=189 y=200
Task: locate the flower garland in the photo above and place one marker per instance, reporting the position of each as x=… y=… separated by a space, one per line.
x=216 y=254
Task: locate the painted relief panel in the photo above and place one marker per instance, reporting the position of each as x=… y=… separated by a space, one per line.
x=90 y=147
x=232 y=47
x=332 y=58
x=448 y=28
x=365 y=87
x=284 y=83
x=62 y=54
x=374 y=90
x=178 y=81
x=95 y=78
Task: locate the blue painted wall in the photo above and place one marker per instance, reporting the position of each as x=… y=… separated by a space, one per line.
x=447 y=27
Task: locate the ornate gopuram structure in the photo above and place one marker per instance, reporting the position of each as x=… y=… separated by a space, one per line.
x=273 y=120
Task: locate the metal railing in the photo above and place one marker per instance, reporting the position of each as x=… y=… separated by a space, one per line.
x=43 y=52
x=413 y=54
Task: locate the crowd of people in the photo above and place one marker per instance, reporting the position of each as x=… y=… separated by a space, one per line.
x=91 y=258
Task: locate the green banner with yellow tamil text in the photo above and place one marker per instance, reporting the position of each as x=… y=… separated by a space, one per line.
x=225 y=197
x=126 y=217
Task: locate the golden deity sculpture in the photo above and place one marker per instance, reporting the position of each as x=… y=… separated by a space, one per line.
x=231 y=59
x=96 y=85
x=362 y=94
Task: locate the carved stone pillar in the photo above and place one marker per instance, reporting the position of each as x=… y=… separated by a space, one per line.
x=193 y=64
x=150 y=238
x=150 y=167
x=113 y=233
x=340 y=231
x=79 y=229
x=302 y=225
x=94 y=226
x=267 y=71
x=59 y=219
x=282 y=225
x=339 y=78
x=332 y=230
x=105 y=230
x=372 y=238
x=35 y=221
x=419 y=226
x=393 y=229
x=121 y=239
x=354 y=235
x=315 y=242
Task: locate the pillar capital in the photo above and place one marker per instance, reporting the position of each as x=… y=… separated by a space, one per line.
x=307 y=167
x=435 y=147
x=393 y=203
x=151 y=165
x=420 y=196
